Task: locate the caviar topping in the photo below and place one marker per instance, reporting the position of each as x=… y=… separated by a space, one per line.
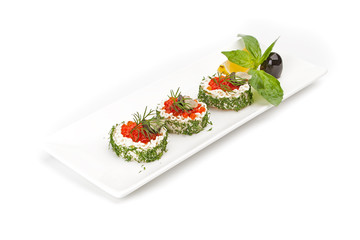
x=137 y=132
x=142 y=129
x=226 y=83
x=184 y=106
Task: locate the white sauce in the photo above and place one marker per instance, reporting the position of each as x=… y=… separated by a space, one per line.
x=120 y=140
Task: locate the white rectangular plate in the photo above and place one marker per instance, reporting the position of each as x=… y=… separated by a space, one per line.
x=83 y=146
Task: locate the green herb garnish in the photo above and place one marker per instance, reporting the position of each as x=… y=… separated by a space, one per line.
x=179 y=101
x=267 y=86
x=251 y=57
x=145 y=126
x=232 y=79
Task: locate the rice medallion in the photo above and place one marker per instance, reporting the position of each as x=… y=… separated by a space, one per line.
x=141 y=140
x=182 y=114
x=228 y=92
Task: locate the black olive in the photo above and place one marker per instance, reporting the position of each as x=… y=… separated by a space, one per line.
x=273 y=65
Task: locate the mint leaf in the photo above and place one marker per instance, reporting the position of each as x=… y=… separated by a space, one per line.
x=267 y=52
x=253 y=46
x=267 y=86
x=240 y=57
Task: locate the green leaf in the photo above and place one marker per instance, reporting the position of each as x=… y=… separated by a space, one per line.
x=267 y=52
x=240 y=57
x=253 y=46
x=267 y=86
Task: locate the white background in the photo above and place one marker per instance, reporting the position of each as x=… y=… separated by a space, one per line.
x=291 y=173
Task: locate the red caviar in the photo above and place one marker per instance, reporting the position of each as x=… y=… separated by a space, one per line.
x=176 y=111
x=216 y=83
x=136 y=135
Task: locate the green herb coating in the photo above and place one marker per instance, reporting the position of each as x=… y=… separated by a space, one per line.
x=189 y=127
x=231 y=103
x=137 y=154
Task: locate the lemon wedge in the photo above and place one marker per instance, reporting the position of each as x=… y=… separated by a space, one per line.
x=228 y=67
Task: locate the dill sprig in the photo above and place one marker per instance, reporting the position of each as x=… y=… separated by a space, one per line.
x=138 y=118
x=232 y=79
x=179 y=101
x=145 y=126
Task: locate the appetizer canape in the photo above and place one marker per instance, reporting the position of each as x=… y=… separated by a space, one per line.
x=141 y=140
x=228 y=92
x=182 y=114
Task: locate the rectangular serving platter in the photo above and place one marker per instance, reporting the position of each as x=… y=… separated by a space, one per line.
x=84 y=146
